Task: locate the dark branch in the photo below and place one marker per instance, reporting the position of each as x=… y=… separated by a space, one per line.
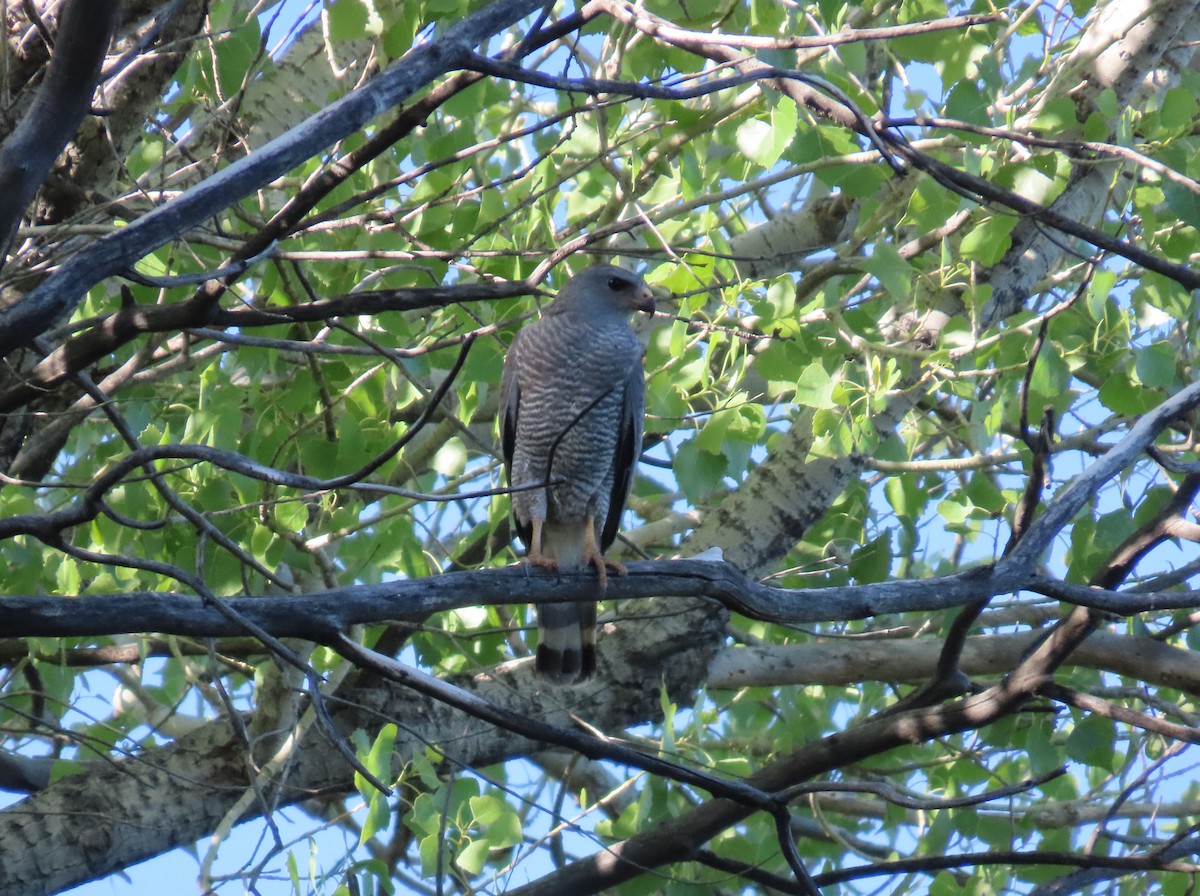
x=588 y=745
x=828 y=104
x=62 y=101
x=681 y=836
x=933 y=864
x=591 y=746
x=105 y=334
x=318 y=615
x=60 y=293
x=234 y=268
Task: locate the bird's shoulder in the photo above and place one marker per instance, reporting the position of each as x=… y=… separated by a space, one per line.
x=588 y=333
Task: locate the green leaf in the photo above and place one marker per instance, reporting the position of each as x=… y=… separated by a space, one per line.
x=1183 y=203
x=292 y=515
x=1155 y=365
x=429 y=849
x=967 y=102
x=1057 y=116
x=814 y=388
x=1093 y=742
x=65 y=768
x=1178 y=109
x=500 y=823
x=1099 y=292
x=930 y=205
x=781 y=296
x=764 y=142
x=472 y=857
x=1119 y=394
x=893 y=271
x=1040 y=749
x=784 y=121
x=377 y=818
x=1051 y=377
x=378 y=761
x=698 y=471
x=451 y=459
x=953 y=512
x=873 y=561
x=293 y=870
x=236 y=51
x=987 y=242
x=984 y=494
x=1107 y=103
x=667 y=745
x=347 y=19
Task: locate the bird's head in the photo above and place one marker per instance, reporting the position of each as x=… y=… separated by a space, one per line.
x=604 y=289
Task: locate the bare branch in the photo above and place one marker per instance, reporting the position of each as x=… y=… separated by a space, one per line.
x=666 y=31
x=317 y=615
x=895 y=797
x=933 y=864
x=841 y=662
x=59 y=294
x=1109 y=710
x=1071 y=499
x=64 y=98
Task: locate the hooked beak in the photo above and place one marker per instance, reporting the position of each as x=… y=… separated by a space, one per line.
x=646 y=301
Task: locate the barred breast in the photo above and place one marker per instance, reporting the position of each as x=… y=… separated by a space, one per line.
x=572 y=376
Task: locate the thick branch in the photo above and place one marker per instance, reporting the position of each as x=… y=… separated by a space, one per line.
x=63 y=100
x=59 y=294
x=196 y=780
x=844 y=661
x=317 y=615
x=679 y=838
x=121 y=326
x=1016 y=571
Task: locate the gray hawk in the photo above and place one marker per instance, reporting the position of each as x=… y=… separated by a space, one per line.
x=573 y=402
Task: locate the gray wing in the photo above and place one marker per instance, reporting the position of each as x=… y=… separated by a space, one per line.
x=628 y=450
x=510 y=402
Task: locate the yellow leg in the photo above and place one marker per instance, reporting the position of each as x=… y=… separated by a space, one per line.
x=593 y=556
x=535 y=557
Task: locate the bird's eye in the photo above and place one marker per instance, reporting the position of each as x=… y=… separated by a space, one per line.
x=616 y=284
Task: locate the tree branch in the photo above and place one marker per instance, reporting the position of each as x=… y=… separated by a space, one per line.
x=62 y=101
x=587 y=744
x=933 y=864
x=59 y=294
x=677 y=839
x=842 y=662
x=891 y=143
x=1109 y=710
x=106 y=334
x=318 y=614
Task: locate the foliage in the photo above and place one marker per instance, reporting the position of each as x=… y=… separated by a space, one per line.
x=914 y=281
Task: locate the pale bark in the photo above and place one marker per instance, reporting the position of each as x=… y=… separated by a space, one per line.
x=782 y=243
x=913 y=661
x=114 y=815
x=780 y=495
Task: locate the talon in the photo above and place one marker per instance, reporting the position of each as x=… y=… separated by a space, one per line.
x=540 y=561
x=592 y=556
x=535 y=557
x=615 y=566
x=603 y=565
